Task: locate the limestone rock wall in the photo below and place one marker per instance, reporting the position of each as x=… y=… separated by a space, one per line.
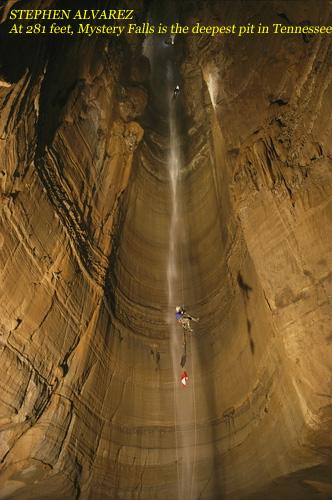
x=89 y=399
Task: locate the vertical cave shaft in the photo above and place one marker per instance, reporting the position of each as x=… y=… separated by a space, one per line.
x=91 y=401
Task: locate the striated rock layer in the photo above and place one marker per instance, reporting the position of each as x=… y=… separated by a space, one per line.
x=91 y=402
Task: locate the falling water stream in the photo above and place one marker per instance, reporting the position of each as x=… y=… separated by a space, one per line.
x=184 y=399
x=163 y=79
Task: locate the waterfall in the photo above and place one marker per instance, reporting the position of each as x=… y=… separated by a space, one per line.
x=174 y=264
x=184 y=399
x=164 y=76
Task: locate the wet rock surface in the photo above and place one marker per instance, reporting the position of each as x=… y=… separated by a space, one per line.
x=86 y=379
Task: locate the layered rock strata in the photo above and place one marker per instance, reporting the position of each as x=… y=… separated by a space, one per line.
x=90 y=406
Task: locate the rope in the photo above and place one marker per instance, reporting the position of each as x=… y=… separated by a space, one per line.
x=181 y=266
x=192 y=492
x=176 y=440
x=195 y=424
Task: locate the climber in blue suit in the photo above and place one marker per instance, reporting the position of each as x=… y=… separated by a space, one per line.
x=184 y=318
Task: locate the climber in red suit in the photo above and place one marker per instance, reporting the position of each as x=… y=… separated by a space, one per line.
x=184 y=378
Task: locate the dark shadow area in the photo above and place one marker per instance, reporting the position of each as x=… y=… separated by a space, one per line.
x=244 y=286
x=306 y=484
x=246 y=289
